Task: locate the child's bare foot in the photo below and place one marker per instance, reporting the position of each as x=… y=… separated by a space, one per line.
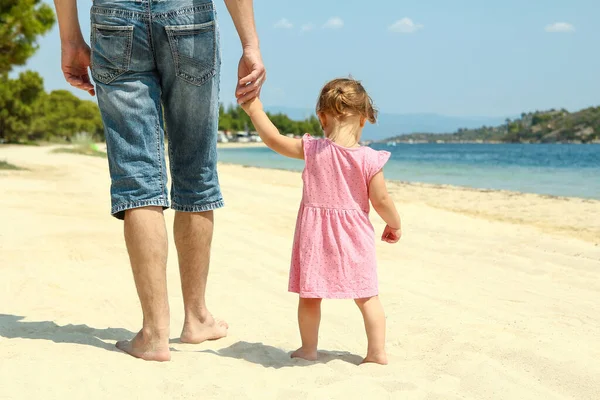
x=310 y=355
x=196 y=331
x=380 y=358
x=148 y=349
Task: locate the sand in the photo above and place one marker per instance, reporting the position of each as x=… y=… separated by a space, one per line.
x=238 y=145
x=489 y=295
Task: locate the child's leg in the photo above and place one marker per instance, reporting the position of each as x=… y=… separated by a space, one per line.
x=374 y=317
x=309 y=318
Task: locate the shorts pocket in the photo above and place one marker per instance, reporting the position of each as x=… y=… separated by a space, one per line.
x=194 y=51
x=111 y=51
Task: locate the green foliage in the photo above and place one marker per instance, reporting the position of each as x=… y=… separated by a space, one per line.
x=27 y=113
x=234 y=119
x=285 y=125
x=61 y=115
x=21 y=22
x=84 y=144
x=81 y=151
x=8 y=166
x=539 y=127
x=539 y=118
x=17 y=102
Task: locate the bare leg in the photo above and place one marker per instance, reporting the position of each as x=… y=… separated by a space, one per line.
x=193 y=237
x=374 y=317
x=309 y=319
x=146 y=240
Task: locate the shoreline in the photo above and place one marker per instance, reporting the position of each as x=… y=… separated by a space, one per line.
x=487 y=292
x=237 y=145
x=437 y=185
x=552 y=171
x=544 y=212
x=519 y=208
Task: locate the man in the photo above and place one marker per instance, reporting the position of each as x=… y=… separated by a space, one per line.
x=156 y=67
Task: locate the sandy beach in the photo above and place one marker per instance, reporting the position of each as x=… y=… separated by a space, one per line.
x=238 y=145
x=489 y=295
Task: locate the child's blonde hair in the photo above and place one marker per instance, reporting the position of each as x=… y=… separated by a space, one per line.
x=345 y=97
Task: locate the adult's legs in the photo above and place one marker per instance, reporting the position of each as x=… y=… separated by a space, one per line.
x=146 y=240
x=193 y=236
x=129 y=97
x=188 y=59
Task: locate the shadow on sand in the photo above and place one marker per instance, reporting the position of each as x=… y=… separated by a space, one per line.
x=13 y=326
x=273 y=357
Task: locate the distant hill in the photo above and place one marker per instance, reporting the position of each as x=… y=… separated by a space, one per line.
x=553 y=126
x=398 y=124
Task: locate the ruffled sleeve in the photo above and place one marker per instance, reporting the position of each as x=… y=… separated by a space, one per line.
x=308 y=144
x=375 y=162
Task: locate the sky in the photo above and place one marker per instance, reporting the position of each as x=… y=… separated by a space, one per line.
x=458 y=58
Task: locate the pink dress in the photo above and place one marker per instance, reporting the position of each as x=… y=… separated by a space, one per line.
x=334 y=245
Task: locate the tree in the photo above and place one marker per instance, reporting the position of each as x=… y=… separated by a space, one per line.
x=26 y=111
x=17 y=100
x=21 y=22
x=234 y=119
x=61 y=115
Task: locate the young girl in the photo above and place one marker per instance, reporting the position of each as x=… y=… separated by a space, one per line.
x=334 y=246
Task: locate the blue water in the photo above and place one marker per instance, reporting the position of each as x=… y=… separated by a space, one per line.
x=551 y=169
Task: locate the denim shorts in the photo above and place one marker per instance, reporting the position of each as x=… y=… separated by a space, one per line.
x=156 y=67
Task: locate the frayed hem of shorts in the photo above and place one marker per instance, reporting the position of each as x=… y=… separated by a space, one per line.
x=118 y=211
x=197 y=207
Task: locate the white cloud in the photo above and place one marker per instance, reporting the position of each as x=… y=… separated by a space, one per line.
x=334 y=23
x=405 y=25
x=307 y=27
x=560 y=27
x=283 y=23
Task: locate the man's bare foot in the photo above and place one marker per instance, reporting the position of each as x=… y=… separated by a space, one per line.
x=146 y=349
x=310 y=355
x=196 y=331
x=380 y=358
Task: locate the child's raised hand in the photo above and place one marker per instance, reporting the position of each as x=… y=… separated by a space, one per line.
x=391 y=235
x=252 y=106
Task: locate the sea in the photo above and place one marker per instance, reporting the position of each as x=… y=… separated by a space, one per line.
x=566 y=170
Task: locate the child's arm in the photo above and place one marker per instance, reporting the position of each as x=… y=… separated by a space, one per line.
x=385 y=207
x=269 y=134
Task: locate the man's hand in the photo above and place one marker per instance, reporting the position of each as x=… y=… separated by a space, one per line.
x=391 y=235
x=75 y=63
x=251 y=75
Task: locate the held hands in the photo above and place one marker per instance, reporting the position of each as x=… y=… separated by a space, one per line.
x=75 y=61
x=391 y=235
x=251 y=75
x=252 y=106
